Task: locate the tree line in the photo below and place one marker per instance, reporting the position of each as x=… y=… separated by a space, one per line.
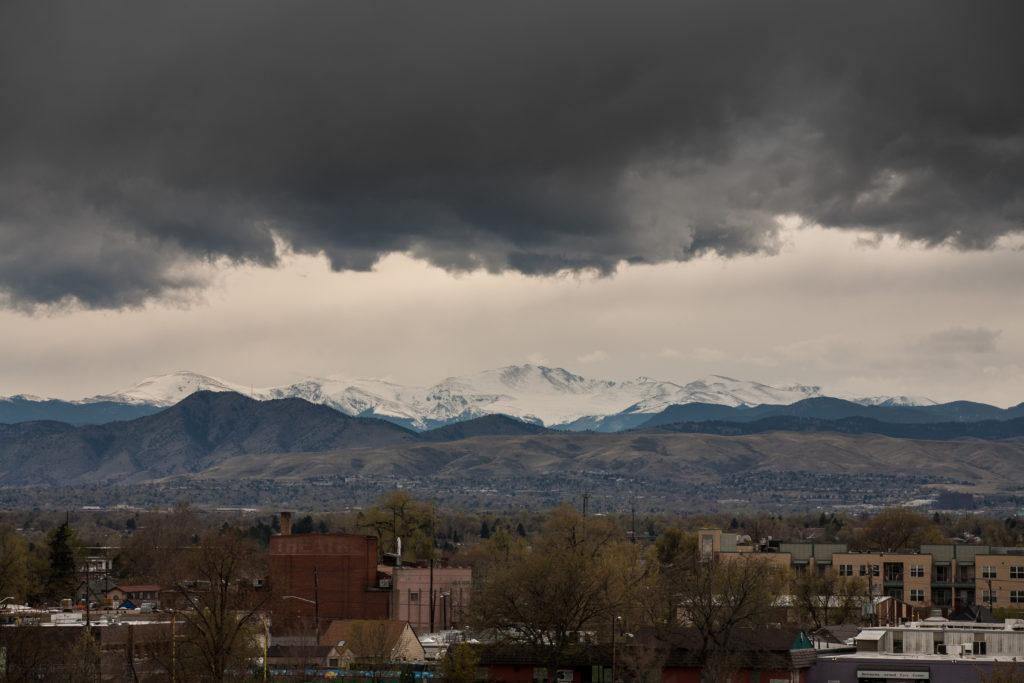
x=550 y=583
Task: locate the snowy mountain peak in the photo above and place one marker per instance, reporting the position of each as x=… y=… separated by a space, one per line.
x=166 y=390
x=728 y=391
x=895 y=401
x=534 y=393
x=539 y=377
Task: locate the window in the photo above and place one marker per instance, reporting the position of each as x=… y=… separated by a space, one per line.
x=846 y=570
x=989 y=596
x=988 y=572
x=1017 y=572
x=863 y=570
x=1017 y=596
x=916 y=570
x=874 y=570
x=916 y=595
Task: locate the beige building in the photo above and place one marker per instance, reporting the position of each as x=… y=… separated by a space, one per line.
x=430 y=600
x=375 y=641
x=1000 y=580
x=946 y=576
x=904 y=576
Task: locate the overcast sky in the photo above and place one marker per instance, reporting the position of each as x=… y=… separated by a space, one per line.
x=817 y=192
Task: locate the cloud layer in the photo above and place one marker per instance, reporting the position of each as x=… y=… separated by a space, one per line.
x=136 y=139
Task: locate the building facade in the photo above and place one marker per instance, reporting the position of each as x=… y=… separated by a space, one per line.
x=325 y=577
x=934 y=650
x=944 y=576
x=430 y=599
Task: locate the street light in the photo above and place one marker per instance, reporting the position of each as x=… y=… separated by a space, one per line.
x=316 y=605
x=315 y=601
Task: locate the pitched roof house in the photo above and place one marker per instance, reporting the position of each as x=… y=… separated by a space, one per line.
x=373 y=641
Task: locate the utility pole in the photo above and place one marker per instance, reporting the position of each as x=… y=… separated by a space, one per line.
x=88 y=616
x=613 y=649
x=433 y=543
x=871 y=596
x=316 y=602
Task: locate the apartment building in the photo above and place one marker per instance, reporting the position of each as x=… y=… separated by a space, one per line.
x=946 y=576
x=904 y=576
x=999 y=577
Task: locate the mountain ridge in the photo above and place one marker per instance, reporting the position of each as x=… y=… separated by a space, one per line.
x=207 y=429
x=551 y=397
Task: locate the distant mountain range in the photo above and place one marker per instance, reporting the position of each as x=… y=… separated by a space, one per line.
x=224 y=435
x=550 y=397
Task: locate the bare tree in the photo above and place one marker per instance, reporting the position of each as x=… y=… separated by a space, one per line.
x=823 y=599
x=215 y=583
x=159 y=541
x=716 y=599
x=370 y=643
x=84 y=658
x=578 y=574
x=895 y=529
x=1001 y=672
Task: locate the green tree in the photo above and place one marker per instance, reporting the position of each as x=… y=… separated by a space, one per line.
x=460 y=664
x=670 y=558
x=61 y=579
x=577 y=576
x=895 y=529
x=399 y=515
x=14 y=569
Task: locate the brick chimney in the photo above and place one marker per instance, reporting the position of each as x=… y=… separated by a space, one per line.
x=286 y=524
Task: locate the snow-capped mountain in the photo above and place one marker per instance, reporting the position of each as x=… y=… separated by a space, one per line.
x=166 y=390
x=533 y=393
x=895 y=401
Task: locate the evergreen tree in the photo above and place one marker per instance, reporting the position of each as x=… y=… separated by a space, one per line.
x=61 y=580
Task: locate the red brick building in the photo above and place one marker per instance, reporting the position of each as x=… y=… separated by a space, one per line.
x=333 y=574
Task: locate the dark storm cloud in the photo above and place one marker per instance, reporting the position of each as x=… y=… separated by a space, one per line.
x=137 y=138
